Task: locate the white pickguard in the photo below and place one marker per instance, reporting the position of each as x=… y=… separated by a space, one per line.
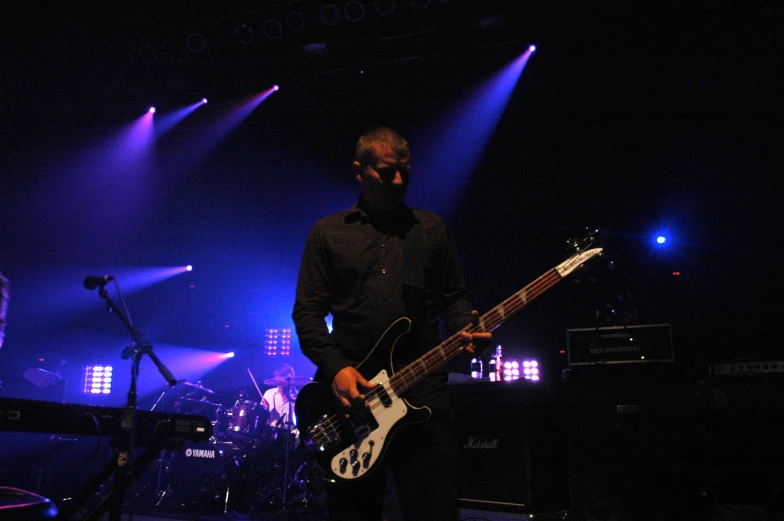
x=373 y=444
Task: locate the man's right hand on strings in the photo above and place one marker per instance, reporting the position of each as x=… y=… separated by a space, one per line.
x=350 y=387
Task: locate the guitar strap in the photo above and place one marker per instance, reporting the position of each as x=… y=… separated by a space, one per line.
x=414 y=269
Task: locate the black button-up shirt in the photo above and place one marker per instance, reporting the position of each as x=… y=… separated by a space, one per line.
x=353 y=268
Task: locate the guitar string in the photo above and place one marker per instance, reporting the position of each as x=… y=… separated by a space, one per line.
x=514 y=303
x=492 y=318
x=454 y=344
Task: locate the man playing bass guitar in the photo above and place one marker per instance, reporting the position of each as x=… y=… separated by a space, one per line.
x=368 y=266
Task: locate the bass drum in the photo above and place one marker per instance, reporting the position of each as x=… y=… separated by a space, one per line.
x=199 y=476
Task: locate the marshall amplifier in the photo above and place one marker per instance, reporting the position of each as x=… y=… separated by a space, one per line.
x=513 y=446
x=619 y=345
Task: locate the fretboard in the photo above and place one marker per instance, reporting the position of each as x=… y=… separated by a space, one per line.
x=407 y=377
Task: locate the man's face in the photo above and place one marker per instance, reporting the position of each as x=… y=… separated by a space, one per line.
x=384 y=182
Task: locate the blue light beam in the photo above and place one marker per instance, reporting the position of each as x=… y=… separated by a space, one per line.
x=460 y=139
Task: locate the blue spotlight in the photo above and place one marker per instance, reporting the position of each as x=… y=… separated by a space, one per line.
x=661 y=239
x=188 y=268
x=532 y=48
x=275 y=87
x=151 y=110
x=204 y=100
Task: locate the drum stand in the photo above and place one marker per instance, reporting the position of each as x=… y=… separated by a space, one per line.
x=158 y=483
x=282 y=485
x=162 y=467
x=302 y=477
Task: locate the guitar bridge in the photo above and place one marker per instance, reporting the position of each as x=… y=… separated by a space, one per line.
x=321 y=435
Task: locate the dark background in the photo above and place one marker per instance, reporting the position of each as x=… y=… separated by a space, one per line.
x=633 y=117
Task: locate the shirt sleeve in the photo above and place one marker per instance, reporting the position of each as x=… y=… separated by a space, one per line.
x=311 y=308
x=269 y=395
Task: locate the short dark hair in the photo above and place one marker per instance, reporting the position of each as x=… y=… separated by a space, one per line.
x=284 y=371
x=367 y=146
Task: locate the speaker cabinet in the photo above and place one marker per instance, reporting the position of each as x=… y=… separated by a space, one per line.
x=745 y=435
x=513 y=446
x=637 y=443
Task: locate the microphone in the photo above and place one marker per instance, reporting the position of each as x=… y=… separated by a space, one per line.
x=93 y=282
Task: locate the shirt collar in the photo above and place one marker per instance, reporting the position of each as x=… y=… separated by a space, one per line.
x=404 y=217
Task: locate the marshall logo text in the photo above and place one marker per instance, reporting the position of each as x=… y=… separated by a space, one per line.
x=473 y=443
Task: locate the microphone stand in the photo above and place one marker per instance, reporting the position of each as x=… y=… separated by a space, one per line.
x=124 y=471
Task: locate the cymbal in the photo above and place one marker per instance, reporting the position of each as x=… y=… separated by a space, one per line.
x=292 y=380
x=194 y=400
x=197 y=386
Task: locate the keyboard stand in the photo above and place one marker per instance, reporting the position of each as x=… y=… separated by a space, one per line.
x=117 y=468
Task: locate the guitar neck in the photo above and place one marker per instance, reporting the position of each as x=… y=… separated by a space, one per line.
x=407 y=377
x=454 y=345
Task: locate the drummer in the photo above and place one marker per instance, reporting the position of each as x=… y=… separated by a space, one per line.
x=278 y=401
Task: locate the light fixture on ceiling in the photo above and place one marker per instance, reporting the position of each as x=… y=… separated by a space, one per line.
x=272 y=29
x=196 y=42
x=354 y=11
x=329 y=15
x=244 y=35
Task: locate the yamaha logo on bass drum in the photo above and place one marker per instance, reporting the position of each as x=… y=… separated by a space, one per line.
x=200 y=453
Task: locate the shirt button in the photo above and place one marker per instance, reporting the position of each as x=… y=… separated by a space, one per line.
x=383 y=271
x=383 y=245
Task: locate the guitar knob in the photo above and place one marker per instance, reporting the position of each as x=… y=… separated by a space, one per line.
x=343 y=465
x=366 y=459
x=353 y=454
x=355 y=467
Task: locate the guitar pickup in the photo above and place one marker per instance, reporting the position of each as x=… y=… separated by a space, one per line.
x=386 y=401
x=361 y=424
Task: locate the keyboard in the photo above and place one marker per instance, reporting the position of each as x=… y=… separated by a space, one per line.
x=68 y=418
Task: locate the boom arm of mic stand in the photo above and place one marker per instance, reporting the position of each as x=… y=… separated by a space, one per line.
x=143 y=346
x=140 y=342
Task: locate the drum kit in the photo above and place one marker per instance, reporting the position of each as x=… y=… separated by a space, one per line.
x=251 y=463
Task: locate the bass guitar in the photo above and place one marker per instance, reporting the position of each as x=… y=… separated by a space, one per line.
x=348 y=444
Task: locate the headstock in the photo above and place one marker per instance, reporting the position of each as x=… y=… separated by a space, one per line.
x=590 y=239
x=582 y=250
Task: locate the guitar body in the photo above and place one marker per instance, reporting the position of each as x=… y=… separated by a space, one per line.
x=347 y=448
